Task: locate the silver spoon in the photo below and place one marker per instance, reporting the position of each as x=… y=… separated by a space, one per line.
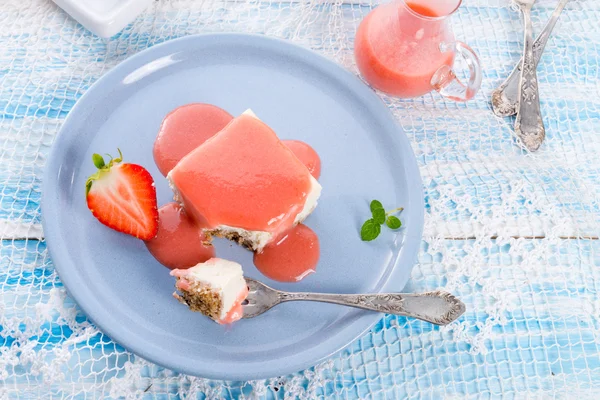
x=529 y=126
x=437 y=307
x=505 y=97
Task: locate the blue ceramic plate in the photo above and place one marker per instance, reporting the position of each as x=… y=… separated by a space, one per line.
x=301 y=95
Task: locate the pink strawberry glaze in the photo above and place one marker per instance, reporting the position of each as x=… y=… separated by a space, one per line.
x=236 y=311
x=179 y=273
x=290 y=258
x=307 y=155
x=245 y=177
x=183 y=284
x=179 y=242
x=184 y=129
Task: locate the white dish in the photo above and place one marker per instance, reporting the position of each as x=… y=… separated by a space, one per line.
x=104 y=17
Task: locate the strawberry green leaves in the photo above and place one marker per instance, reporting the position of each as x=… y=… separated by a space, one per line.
x=371 y=229
x=103 y=168
x=98 y=161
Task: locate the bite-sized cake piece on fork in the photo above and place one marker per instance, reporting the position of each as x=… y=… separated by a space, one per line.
x=245 y=184
x=215 y=288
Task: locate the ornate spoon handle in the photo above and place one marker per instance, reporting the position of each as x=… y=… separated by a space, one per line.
x=505 y=97
x=437 y=307
x=529 y=126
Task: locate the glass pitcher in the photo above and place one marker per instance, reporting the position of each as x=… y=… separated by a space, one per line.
x=406 y=48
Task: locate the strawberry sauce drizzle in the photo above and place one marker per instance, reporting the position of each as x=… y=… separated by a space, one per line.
x=307 y=155
x=184 y=129
x=291 y=257
x=179 y=243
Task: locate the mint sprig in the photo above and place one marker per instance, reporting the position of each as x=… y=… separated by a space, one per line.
x=371 y=229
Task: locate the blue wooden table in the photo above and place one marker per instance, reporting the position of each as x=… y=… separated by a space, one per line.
x=514 y=235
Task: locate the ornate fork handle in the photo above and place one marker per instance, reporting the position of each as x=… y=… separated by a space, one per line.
x=529 y=126
x=437 y=307
x=505 y=97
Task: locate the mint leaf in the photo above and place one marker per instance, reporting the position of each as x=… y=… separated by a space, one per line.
x=393 y=222
x=376 y=205
x=379 y=215
x=370 y=230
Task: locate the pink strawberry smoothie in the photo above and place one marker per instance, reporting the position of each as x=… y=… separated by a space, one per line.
x=399 y=53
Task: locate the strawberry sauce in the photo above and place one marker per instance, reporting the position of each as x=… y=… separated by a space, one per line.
x=291 y=257
x=236 y=311
x=307 y=155
x=179 y=242
x=243 y=177
x=184 y=129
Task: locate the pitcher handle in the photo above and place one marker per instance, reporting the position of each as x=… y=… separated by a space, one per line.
x=448 y=85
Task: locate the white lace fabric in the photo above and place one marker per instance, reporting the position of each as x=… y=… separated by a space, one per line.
x=514 y=235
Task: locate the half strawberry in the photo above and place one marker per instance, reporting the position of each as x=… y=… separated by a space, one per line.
x=123 y=197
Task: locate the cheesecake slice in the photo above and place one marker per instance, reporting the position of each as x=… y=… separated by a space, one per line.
x=245 y=184
x=215 y=288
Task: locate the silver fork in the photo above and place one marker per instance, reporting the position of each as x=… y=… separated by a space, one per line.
x=505 y=98
x=439 y=308
x=529 y=126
